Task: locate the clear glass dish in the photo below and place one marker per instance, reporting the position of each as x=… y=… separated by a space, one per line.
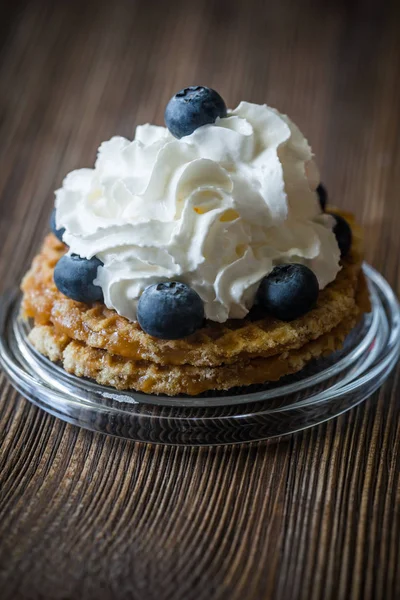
x=324 y=389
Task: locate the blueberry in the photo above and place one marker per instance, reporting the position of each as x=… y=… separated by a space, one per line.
x=74 y=277
x=57 y=232
x=343 y=234
x=322 y=196
x=191 y=108
x=170 y=310
x=289 y=291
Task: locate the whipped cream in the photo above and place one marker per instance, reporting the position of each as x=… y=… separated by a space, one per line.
x=217 y=209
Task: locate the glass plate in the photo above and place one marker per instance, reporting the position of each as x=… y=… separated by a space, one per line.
x=324 y=389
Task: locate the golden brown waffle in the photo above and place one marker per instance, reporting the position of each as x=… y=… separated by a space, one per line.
x=215 y=344
x=123 y=373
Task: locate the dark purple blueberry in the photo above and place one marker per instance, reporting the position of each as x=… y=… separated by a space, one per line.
x=191 y=108
x=170 y=310
x=74 y=278
x=323 y=196
x=344 y=236
x=289 y=291
x=57 y=232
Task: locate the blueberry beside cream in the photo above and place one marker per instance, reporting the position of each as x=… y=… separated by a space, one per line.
x=74 y=277
x=170 y=310
x=218 y=208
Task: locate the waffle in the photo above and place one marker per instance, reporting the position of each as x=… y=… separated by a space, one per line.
x=124 y=373
x=214 y=345
x=95 y=342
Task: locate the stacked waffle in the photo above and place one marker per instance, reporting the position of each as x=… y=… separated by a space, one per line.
x=94 y=341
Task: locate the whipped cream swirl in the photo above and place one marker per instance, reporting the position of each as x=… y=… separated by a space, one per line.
x=217 y=209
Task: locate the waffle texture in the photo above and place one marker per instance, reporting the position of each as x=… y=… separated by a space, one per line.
x=94 y=341
x=213 y=345
x=124 y=373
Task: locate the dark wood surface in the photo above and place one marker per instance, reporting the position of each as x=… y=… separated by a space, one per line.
x=313 y=516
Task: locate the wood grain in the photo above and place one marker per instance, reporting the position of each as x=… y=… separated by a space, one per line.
x=315 y=516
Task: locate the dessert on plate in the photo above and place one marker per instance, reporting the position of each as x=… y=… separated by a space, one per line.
x=199 y=256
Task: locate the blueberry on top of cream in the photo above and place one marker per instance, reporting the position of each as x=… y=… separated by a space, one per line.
x=192 y=108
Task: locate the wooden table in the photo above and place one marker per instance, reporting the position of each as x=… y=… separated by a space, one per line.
x=313 y=516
